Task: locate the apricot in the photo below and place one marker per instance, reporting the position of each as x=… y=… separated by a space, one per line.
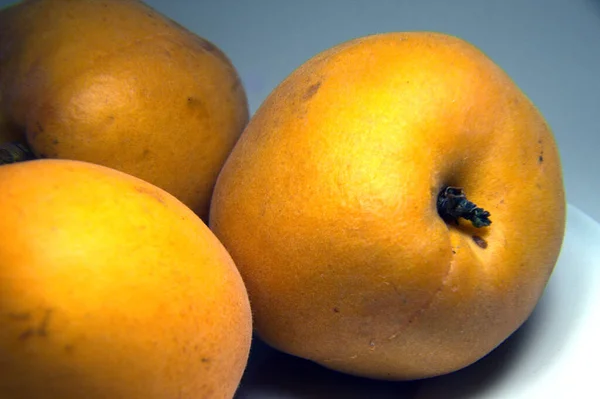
x=111 y=288
x=116 y=83
x=395 y=207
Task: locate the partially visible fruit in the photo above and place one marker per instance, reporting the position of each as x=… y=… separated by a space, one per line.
x=114 y=82
x=111 y=288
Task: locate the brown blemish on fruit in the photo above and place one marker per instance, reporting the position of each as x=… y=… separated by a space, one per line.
x=311 y=91
x=210 y=48
x=481 y=243
x=237 y=84
x=336 y=310
x=41 y=330
x=150 y=192
x=20 y=316
x=198 y=108
x=26 y=334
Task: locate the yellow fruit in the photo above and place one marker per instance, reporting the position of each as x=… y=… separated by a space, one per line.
x=114 y=82
x=112 y=288
x=328 y=206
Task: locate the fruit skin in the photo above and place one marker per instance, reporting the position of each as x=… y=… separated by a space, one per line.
x=112 y=288
x=116 y=83
x=327 y=205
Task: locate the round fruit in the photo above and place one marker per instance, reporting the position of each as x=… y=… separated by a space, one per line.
x=357 y=207
x=115 y=83
x=112 y=288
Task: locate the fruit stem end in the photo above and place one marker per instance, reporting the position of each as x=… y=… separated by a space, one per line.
x=452 y=203
x=15 y=151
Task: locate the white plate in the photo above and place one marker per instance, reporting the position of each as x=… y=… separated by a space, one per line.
x=553 y=355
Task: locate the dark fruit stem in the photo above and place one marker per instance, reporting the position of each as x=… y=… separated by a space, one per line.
x=452 y=203
x=15 y=152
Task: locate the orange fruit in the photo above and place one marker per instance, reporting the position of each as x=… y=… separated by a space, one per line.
x=114 y=82
x=112 y=288
x=328 y=204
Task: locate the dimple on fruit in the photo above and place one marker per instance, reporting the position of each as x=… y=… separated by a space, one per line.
x=395 y=207
x=111 y=288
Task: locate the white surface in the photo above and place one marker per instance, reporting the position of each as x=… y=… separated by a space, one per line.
x=553 y=355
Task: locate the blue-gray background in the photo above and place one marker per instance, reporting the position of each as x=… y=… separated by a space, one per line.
x=551 y=48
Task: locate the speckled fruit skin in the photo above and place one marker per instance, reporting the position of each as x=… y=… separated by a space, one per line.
x=327 y=205
x=112 y=288
x=116 y=83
